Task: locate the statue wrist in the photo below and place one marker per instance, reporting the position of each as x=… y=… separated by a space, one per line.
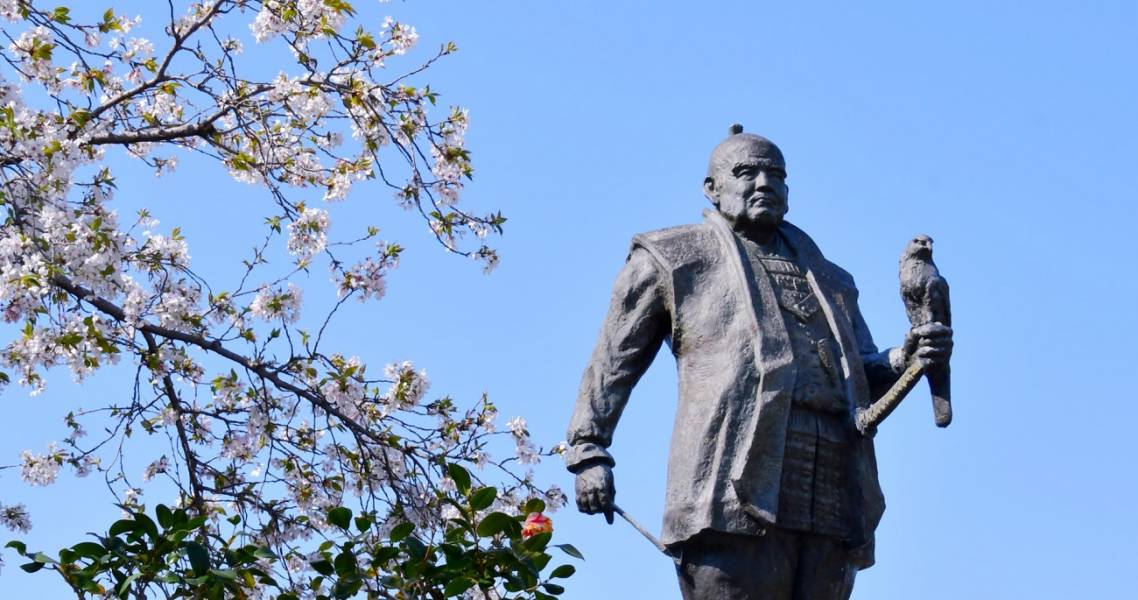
x=897 y=359
x=583 y=455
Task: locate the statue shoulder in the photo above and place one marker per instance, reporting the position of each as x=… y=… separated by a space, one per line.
x=677 y=246
x=839 y=277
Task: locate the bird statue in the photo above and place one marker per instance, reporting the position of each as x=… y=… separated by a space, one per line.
x=925 y=294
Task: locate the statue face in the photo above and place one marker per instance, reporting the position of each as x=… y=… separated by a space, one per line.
x=749 y=187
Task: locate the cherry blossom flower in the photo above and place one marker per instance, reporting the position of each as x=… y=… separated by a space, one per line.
x=159 y=466
x=15 y=517
x=40 y=469
x=308 y=234
x=273 y=303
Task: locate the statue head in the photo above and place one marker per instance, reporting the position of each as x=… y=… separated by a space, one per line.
x=746 y=181
x=920 y=246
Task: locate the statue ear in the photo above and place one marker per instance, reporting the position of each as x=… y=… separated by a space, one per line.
x=709 y=190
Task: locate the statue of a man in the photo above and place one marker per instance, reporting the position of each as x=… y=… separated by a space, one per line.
x=772 y=492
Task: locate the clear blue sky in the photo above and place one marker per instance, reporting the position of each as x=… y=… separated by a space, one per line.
x=1006 y=131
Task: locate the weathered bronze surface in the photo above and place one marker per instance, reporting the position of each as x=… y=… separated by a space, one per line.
x=772 y=482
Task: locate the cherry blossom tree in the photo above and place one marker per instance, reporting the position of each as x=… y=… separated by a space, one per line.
x=278 y=445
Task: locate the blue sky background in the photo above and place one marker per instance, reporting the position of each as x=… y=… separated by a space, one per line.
x=1007 y=131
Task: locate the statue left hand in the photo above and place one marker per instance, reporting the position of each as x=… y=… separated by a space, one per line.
x=930 y=343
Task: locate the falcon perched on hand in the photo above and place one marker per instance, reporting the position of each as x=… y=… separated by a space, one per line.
x=925 y=294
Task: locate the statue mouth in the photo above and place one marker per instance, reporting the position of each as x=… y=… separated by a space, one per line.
x=764 y=201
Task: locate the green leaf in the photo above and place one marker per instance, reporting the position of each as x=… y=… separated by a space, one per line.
x=31 y=567
x=415 y=548
x=483 y=497
x=40 y=557
x=570 y=550
x=563 y=571
x=81 y=117
x=264 y=553
x=199 y=557
x=553 y=588
x=194 y=523
x=496 y=523
x=345 y=564
x=89 y=550
x=458 y=586
x=537 y=542
x=165 y=516
x=401 y=531
x=541 y=560
x=383 y=554
x=122 y=526
x=323 y=567
x=534 y=505
x=340 y=516
x=460 y=476
x=20 y=547
x=125 y=585
x=147 y=525
x=229 y=574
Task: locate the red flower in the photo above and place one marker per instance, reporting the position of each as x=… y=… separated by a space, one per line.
x=536 y=523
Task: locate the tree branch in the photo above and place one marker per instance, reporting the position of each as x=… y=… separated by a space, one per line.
x=202 y=128
x=260 y=369
x=176 y=406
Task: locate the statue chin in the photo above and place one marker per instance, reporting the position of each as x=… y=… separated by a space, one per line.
x=761 y=223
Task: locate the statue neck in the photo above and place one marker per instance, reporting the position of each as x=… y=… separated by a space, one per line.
x=763 y=236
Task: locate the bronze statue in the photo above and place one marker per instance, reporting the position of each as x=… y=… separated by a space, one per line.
x=772 y=486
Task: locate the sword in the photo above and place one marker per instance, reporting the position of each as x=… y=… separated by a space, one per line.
x=644 y=532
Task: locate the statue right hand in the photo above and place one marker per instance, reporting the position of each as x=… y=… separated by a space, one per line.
x=595 y=491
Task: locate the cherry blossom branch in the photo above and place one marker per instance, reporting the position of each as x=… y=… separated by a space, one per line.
x=216 y=347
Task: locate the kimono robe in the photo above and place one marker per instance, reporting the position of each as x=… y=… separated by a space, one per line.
x=692 y=287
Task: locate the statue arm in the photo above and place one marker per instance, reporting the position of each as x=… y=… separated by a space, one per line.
x=882 y=367
x=638 y=321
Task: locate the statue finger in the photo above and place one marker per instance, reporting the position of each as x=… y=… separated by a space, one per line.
x=584 y=502
x=596 y=503
x=588 y=502
x=932 y=352
x=937 y=345
x=605 y=499
x=938 y=330
x=933 y=341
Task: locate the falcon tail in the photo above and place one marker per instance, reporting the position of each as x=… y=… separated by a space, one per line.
x=940 y=390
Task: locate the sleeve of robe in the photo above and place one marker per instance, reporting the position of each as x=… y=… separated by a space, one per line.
x=637 y=323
